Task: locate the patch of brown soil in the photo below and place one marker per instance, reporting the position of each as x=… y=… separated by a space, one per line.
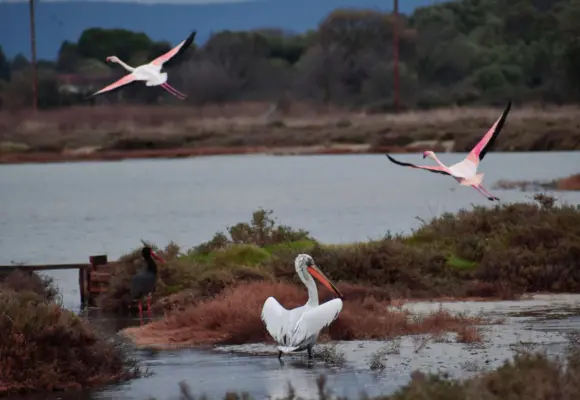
x=233 y=317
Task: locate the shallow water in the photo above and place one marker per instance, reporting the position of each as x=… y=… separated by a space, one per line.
x=63 y=213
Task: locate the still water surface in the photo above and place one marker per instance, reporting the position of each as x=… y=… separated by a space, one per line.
x=63 y=213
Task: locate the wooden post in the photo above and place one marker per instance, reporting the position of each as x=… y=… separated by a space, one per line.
x=396 y=53
x=95 y=262
x=82 y=286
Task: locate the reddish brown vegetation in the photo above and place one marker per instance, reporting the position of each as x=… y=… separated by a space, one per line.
x=469 y=334
x=570 y=183
x=233 y=317
x=27 y=281
x=44 y=347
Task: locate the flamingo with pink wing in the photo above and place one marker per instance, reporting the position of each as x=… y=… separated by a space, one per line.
x=150 y=73
x=465 y=171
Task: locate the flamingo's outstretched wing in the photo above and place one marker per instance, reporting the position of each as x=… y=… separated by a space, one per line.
x=175 y=52
x=481 y=148
x=124 y=81
x=312 y=321
x=275 y=318
x=436 y=169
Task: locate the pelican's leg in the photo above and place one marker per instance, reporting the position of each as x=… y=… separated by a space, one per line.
x=309 y=348
x=279 y=354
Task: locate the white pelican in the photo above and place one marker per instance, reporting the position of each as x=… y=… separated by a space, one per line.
x=465 y=171
x=298 y=329
x=150 y=73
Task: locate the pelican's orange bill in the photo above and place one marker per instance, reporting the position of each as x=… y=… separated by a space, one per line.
x=315 y=272
x=157 y=256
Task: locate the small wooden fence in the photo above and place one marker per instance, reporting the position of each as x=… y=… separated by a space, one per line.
x=93 y=277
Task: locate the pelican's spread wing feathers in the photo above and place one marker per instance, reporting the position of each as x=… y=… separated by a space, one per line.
x=274 y=317
x=313 y=320
x=291 y=328
x=481 y=148
x=174 y=52
x=436 y=169
x=127 y=79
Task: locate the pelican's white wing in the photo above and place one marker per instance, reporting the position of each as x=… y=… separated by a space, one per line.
x=275 y=317
x=312 y=321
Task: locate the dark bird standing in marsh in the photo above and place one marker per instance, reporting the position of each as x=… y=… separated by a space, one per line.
x=144 y=282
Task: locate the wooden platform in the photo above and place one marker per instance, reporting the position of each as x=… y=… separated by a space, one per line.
x=94 y=276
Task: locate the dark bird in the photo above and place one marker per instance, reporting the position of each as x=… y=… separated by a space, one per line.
x=144 y=282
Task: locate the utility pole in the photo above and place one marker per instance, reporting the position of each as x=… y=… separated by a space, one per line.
x=396 y=53
x=33 y=58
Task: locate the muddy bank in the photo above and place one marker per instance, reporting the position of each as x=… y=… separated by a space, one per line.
x=521 y=325
x=569 y=183
x=101 y=133
x=95 y=154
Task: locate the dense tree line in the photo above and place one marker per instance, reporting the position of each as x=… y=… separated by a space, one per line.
x=460 y=52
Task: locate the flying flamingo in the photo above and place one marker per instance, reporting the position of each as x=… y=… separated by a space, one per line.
x=298 y=329
x=465 y=171
x=150 y=73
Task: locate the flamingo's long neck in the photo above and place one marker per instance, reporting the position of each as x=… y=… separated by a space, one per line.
x=311 y=287
x=126 y=66
x=439 y=162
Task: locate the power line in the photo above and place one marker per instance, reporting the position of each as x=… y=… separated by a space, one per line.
x=33 y=58
x=396 y=52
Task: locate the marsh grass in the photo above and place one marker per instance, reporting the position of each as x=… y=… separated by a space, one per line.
x=493 y=252
x=28 y=281
x=234 y=317
x=133 y=128
x=243 y=254
x=44 y=347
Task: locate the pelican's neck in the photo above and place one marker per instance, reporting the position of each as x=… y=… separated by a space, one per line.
x=439 y=162
x=126 y=66
x=311 y=287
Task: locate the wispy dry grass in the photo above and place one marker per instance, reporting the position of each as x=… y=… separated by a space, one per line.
x=233 y=317
x=130 y=128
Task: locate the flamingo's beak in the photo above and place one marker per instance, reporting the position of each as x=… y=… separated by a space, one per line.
x=315 y=272
x=108 y=59
x=157 y=257
x=424 y=155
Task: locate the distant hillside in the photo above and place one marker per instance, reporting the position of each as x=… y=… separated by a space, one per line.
x=59 y=21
